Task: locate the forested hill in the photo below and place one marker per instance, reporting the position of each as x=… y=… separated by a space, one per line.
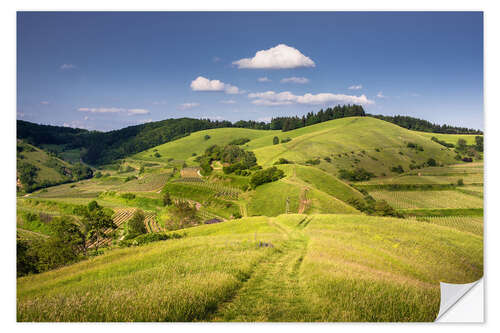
x=103 y=147
x=422 y=125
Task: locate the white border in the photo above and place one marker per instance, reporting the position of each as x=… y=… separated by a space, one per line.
x=492 y=108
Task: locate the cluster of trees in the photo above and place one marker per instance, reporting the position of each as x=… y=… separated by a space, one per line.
x=470 y=151
x=422 y=125
x=415 y=146
x=183 y=215
x=290 y=123
x=358 y=174
x=371 y=206
x=239 y=141
x=68 y=241
x=236 y=157
x=443 y=143
x=266 y=176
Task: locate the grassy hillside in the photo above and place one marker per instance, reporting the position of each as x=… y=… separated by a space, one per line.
x=451 y=138
x=313 y=268
x=51 y=170
x=374 y=144
x=183 y=149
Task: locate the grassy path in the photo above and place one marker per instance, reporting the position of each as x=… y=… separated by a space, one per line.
x=273 y=292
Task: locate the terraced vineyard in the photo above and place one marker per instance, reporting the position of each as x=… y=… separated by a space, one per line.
x=218 y=189
x=151 y=223
x=428 y=199
x=152 y=182
x=463 y=223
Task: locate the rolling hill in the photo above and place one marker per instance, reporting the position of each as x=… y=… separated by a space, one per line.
x=288 y=268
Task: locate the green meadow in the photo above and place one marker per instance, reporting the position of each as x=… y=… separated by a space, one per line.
x=309 y=246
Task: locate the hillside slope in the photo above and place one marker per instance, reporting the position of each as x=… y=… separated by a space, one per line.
x=50 y=169
x=289 y=268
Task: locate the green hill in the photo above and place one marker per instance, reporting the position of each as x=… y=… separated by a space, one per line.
x=50 y=169
x=289 y=268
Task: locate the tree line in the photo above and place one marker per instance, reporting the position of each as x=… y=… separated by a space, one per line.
x=105 y=147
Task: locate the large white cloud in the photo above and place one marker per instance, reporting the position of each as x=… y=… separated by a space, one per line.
x=293 y=79
x=278 y=57
x=203 y=84
x=271 y=98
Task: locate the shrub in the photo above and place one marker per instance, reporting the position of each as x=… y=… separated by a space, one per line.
x=328 y=159
x=431 y=162
x=239 y=142
x=358 y=174
x=136 y=223
x=397 y=169
x=157 y=155
x=467 y=159
x=149 y=238
x=286 y=140
x=266 y=176
x=128 y=196
x=206 y=137
x=276 y=140
x=282 y=160
x=313 y=162
x=460 y=182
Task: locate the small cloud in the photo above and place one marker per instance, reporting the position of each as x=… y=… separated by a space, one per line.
x=67 y=66
x=216 y=59
x=44 y=102
x=130 y=112
x=203 y=84
x=355 y=87
x=293 y=79
x=271 y=98
x=186 y=106
x=102 y=110
x=137 y=111
x=86 y=118
x=20 y=114
x=264 y=119
x=159 y=102
x=380 y=95
x=263 y=79
x=228 y=101
x=279 y=57
x=415 y=95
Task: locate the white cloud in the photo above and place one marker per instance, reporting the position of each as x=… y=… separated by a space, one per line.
x=130 y=112
x=102 y=110
x=263 y=79
x=380 y=95
x=293 y=79
x=44 y=103
x=415 y=95
x=86 y=118
x=264 y=119
x=203 y=84
x=216 y=59
x=186 y=106
x=356 y=87
x=278 y=57
x=271 y=98
x=228 y=101
x=138 y=111
x=159 y=102
x=68 y=66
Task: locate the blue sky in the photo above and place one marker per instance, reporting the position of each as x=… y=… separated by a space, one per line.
x=106 y=71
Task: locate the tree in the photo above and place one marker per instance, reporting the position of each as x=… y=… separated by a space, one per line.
x=276 y=140
x=96 y=221
x=26 y=259
x=431 y=162
x=479 y=143
x=461 y=144
x=136 y=223
x=27 y=175
x=167 y=201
